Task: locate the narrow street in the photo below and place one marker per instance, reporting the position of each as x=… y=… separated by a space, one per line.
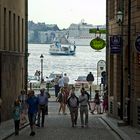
x=58 y=127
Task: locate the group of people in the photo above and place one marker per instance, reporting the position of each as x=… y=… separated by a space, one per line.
x=69 y=98
x=33 y=106
x=59 y=82
x=37 y=106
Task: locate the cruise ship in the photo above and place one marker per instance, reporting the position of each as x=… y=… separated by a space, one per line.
x=79 y=33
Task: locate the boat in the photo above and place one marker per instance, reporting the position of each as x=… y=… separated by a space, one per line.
x=79 y=33
x=58 y=49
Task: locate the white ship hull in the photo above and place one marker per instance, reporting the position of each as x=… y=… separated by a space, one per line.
x=80 y=41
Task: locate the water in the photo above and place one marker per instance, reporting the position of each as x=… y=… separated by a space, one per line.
x=84 y=61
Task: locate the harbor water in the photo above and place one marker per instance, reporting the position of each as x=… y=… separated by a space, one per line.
x=84 y=61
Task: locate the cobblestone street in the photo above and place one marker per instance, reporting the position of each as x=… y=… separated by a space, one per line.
x=58 y=127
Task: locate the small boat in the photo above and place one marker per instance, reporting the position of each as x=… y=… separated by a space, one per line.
x=58 y=49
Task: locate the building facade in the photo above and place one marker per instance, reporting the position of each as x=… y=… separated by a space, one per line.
x=123 y=59
x=13 y=51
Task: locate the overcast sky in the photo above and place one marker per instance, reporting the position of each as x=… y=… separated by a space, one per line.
x=65 y=12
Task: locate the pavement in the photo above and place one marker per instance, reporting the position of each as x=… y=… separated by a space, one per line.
x=123 y=132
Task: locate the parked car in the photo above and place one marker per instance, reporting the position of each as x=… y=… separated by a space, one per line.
x=81 y=82
x=33 y=82
x=52 y=76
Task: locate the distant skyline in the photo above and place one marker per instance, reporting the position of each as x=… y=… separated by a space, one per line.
x=65 y=12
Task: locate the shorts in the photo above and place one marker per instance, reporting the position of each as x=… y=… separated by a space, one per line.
x=32 y=118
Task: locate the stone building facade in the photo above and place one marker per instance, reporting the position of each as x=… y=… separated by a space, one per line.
x=123 y=66
x=13 y=51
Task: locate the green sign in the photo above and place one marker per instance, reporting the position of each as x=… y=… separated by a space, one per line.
x=97 y=43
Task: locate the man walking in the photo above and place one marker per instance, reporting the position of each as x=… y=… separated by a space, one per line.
x=84 y=103
x=73 y=104
x=32 y=102
x=66 y=80
x=43 y=102
x=90 y=79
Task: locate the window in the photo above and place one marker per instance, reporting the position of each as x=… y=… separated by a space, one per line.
x=138 y=3
x=22 y=35
x=14 y=32
x=111 y=9
x=4 y=33
x=10 y=32
x=19 y=33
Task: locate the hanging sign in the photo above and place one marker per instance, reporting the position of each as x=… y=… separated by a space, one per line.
x=137 y=44
x=115 y=44
x=97 y=43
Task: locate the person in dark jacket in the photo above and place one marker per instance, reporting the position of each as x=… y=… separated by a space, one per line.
x=90 y=77
x=73 y=103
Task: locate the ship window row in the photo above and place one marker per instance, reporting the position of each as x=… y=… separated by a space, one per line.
x=11 y=31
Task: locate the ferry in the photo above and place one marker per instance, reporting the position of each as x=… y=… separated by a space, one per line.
x=58 y=49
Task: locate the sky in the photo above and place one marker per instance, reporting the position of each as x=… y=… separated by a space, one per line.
x=65 y=12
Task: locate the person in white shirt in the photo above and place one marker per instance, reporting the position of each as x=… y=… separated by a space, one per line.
x=84 y=103
x=66 y=80
x=61 y=82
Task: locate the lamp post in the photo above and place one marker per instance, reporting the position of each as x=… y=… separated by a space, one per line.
x=41 y=58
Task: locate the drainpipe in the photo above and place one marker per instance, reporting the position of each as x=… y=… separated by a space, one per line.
x=26 y=46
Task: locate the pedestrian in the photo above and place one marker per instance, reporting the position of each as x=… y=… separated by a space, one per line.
x=16 y=115
x=84 y=104
x=43 y=102
x=96 y=103
x=90 y=78
x=66 y=80
x=105 y=103
x=56 y=85
x=61 y=82
x=0 y=108
x=61 y=98
x=22 y=98
x=73 y=104
x=32 y=102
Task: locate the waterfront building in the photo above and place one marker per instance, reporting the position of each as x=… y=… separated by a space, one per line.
x=13 y=51
x=123 y=63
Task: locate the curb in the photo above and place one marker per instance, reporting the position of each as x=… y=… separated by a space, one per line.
x=116 y=130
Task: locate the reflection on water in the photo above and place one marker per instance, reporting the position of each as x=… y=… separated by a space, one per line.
x=84 y=61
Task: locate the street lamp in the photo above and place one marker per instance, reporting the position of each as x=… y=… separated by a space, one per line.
x=41 y=58
x=119 y=17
